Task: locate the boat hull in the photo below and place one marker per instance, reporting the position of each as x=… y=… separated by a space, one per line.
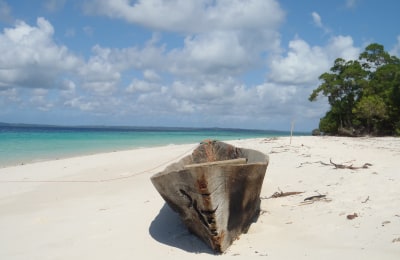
x=215 y=190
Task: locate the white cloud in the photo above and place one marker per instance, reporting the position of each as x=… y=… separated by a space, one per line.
x=99 y=73
x=30 y=57
x=220 y=37
x=9 y=95
x=200 y=80
x=137 y=86
x=192 y=16
x=39 y=100
x=81 y=104
x=151 y=75
x=342 y=47
x=317 y=19
x=303 y=64
x=68 y=88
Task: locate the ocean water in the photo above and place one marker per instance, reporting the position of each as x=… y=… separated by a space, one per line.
x=27 y=144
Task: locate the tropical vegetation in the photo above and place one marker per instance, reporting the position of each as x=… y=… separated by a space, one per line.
x=363 y=94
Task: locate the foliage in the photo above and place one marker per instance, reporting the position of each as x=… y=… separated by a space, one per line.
x=364 y=94
x=316 y=132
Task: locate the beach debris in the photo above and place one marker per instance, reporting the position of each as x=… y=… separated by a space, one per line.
x=338 y=165
x=396 y=240
x=312 y=199
x=215 y=191
x=316 y=197
x=280 y=193
x=365 y=201
x=352 y=216
x=351 y=167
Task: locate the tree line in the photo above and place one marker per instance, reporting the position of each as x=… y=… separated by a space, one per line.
x=363 y=94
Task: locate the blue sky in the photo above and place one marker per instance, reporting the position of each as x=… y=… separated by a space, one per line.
x=203 y=63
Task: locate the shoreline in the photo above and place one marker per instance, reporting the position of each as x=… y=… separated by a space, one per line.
x=104 y=205
x=77 y=155
x=26 y=144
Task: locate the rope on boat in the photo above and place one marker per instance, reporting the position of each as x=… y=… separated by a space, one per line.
x=103 y=180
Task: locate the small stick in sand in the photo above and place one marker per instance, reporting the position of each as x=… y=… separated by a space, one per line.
x=351 y=167
x=312 y=199
x=365 y=201
x=280 y=193
x=316 y=197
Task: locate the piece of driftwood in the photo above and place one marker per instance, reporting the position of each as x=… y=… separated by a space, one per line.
x=215 y=190
x=316 y=197
x=351 y=167
x=280 y=193
x=338 y=165
x=312 y=199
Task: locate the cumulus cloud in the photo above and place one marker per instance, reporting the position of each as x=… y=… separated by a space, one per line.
x=140 y=86
x=30 y=58
x=199 y=81
x=304 y=63
x=151 y=75
x=219 y=36
x=192 y=16
x=98 y=74
x=39 y=100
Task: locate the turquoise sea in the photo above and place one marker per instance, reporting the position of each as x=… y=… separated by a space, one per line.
x=25 y=143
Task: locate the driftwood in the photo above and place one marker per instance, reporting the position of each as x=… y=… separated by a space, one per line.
x=280 y=193
x=316 y=197
x=312 y=199
x=215 y=190
x=338 y=165
x=351 y=167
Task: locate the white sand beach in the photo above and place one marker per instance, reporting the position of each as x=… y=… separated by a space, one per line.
x=104 y=206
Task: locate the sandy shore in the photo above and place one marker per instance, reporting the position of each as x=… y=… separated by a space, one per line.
x=104 y=206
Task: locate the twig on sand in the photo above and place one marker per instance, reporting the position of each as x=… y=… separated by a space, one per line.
x=316 y=197
x=312 y=199
x=365 y=201
x=351 y=167
x=280 y=193
x=338 y=165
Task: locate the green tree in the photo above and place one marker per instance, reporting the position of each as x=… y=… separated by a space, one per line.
x=384 y=82
x=372 y=109
x=342 y=87
x=363 y=94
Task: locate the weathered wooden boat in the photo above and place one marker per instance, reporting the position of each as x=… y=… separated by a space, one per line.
x=215 y=190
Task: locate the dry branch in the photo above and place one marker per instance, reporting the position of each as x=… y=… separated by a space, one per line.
x=351 y=167
x=312 y=199
x=280 y=193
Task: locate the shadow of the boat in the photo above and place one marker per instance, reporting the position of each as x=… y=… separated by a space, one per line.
x=168 y=229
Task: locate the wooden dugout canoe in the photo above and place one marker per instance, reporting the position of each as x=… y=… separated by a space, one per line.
x=215 y=190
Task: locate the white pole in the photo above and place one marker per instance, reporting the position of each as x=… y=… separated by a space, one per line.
x=291 y=131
